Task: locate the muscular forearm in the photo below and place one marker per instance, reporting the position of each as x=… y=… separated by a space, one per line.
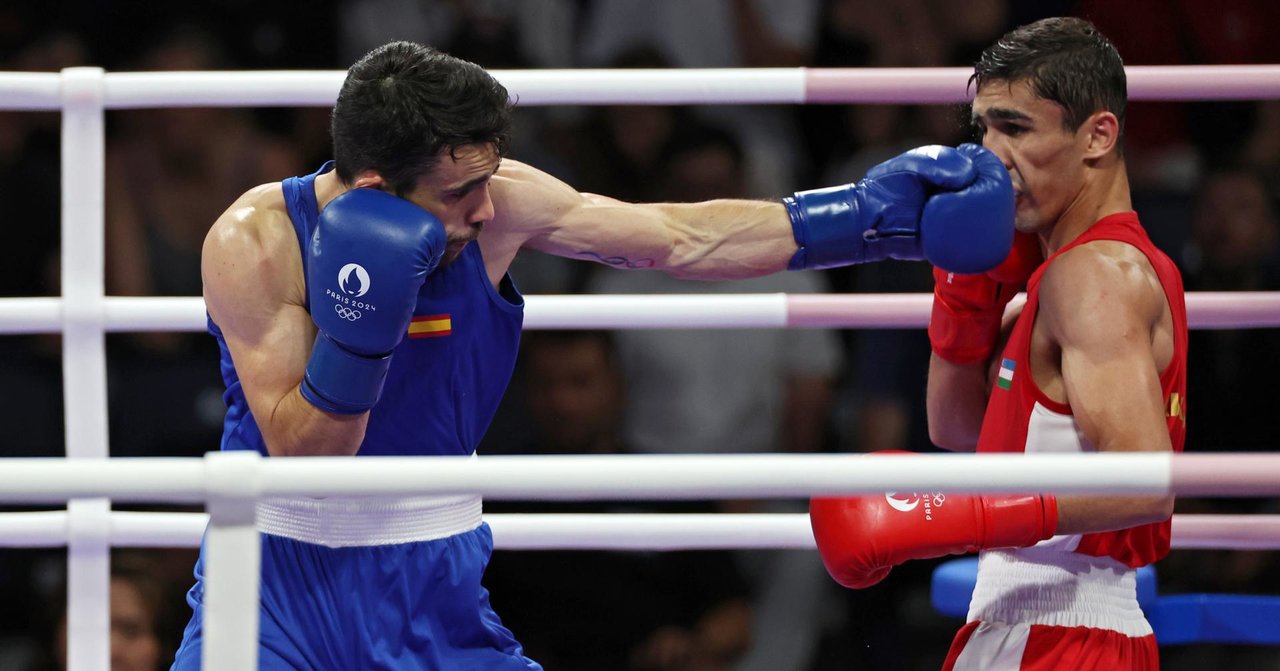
x=295 y=428
x=956 y=401
x=727 y=239
x=1092 y=514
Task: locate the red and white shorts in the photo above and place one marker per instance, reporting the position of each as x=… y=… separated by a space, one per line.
x=991 y=646
x=1043 y=608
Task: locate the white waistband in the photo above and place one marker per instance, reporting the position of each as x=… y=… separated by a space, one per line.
x=365 y=520
x=1051 y=587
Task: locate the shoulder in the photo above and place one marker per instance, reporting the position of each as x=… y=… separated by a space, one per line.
x=253 y=242
x=1101 y=289
x=257 y=220
x=528 y=198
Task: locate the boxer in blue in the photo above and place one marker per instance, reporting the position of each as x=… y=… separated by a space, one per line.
x=366 y=310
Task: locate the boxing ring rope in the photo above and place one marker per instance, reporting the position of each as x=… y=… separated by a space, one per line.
x=741 y=86
x=1205 y=310
x=613 y=531
x=229 y=484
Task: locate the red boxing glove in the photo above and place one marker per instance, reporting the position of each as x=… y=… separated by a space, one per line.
x=861 y=538
x=965 y=324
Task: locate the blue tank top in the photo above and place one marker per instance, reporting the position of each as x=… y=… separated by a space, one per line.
x=447 y=376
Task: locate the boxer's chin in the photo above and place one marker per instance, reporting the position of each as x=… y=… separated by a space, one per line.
x=451 y=253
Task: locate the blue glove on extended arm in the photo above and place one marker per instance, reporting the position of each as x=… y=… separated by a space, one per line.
x=368 y=257
x=971 y=230
x=883 y=215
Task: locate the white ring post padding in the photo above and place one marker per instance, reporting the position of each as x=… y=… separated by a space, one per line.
x=38 y=91
x=88 y=584
x=84 y=360
x=605 y=531
x=233 y=558
x=612 y=477
x=1205 y=310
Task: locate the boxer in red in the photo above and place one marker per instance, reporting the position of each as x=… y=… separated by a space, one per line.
x=1095 y=361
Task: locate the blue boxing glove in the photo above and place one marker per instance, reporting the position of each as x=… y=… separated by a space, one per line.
x=368 y=257
x=879 y=217
x=971 y=230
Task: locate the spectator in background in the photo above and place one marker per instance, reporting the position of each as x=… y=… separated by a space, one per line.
x=713 y=391
x=1231 y=373
x=739 y=391
x=882 y=397
x=1166 y=141
x=718 y=34
x=169 y=172
x=142 y=622
x=1235 y=246
x=666 y=611
x=30 y=209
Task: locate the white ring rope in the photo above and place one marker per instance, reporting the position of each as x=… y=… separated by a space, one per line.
x=603 y=531
x=133 y=90
x=246 y=475
x=1205 y=310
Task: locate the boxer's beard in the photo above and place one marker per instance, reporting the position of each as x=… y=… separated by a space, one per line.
x=456 y=243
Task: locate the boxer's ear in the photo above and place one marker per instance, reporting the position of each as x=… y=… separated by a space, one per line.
x=1100 y=134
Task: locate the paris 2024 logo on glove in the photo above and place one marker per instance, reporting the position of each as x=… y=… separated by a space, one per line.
x=908 y=502
x=354 y=282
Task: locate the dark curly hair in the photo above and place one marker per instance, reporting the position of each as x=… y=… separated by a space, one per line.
x=1065 y=60
x=403 y=104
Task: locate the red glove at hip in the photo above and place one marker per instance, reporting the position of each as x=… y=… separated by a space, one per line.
x=967 y=309
x=862 y=537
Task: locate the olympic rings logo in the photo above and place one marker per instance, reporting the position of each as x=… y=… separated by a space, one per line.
x=347 y=313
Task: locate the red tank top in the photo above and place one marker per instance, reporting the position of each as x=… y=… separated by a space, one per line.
x=1020 y=418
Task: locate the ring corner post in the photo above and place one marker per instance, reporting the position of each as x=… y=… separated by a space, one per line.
x=233 y=556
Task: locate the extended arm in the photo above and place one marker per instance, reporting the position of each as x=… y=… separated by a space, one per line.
x=253 y=287
x=1104 y=311
x=895 y=212
x=720 y=239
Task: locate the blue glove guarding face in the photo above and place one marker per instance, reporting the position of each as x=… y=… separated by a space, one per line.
x=369 y=256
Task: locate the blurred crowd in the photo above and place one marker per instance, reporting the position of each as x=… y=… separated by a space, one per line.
x=1205 y=178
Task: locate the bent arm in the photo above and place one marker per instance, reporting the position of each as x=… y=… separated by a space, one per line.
x=1103 y=317
x=955 y=403
x=956 y=394
x=719 y=239
x=253 y=288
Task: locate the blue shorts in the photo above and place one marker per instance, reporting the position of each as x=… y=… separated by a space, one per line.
x=414 y=606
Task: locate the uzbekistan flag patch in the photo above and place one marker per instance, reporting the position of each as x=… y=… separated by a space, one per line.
x=1005 y=378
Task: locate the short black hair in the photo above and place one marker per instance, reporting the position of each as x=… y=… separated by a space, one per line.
x=403 y=104
x=1065 y=60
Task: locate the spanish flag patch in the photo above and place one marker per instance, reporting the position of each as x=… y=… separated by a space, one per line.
x=430 y=326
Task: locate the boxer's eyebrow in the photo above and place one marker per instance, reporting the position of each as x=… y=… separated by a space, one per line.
x=474 y=182
x=1000 y=113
